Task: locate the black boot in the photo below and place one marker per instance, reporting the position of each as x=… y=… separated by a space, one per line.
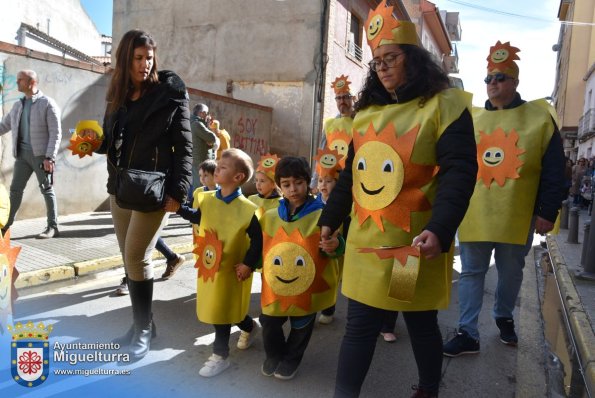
x=141 y=296
x=296 y=345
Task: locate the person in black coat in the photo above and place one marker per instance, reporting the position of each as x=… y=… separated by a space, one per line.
x=146 y=127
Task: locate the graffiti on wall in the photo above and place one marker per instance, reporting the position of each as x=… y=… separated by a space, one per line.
x=9 y=88
x=247 y=139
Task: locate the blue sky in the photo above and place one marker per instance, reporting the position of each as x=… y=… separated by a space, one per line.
x=100 y=12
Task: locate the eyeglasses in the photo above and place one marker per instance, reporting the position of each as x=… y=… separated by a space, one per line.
x=343 y=97
x=499 y=77
x=389 y=61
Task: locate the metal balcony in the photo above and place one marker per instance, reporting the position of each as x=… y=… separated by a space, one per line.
x=586 y=125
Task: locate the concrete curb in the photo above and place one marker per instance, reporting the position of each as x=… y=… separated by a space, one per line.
x=578 y=319
x=82 y=268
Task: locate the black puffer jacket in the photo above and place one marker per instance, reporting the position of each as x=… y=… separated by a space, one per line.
x=165 y=142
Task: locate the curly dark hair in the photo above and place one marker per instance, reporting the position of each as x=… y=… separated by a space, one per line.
x=291 y=166
x=423 y=76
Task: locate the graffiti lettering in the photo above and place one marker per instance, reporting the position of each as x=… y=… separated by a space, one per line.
x=58 y=78
x=9 y=88
x=247 y=126
x=250 y=145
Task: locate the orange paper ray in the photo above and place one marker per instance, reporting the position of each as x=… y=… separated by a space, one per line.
x=83 y=146
x=209 y=250
x=380 y=24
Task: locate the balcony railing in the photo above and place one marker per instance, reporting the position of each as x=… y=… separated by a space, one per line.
x=354 y=50
x=586 y=125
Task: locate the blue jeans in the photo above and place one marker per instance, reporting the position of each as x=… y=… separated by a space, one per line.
x=25 y=165
x=475 y=258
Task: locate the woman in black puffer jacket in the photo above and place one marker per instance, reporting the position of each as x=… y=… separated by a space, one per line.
x=146 y=128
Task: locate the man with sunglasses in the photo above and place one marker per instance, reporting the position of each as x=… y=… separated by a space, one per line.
x=337 y=131
x=519 y=190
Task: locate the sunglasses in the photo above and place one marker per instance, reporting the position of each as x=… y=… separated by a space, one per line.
x=499 y=77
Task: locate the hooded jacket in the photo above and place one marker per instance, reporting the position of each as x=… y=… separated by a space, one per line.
x=165 y=143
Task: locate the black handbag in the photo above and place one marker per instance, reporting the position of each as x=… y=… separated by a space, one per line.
x=139 y=190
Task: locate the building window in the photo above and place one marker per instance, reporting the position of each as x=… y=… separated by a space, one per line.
x=354 y=38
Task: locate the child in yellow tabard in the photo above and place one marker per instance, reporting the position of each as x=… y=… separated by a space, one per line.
x=298 y=279
x=268 y=193
x=328 y=167
x=229 y=245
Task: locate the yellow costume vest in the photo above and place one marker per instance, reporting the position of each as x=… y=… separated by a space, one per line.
x=338 y=134
x=221 y=244
x=510 y=146
x=264 y=204
x=297 y=277
x=394 y=186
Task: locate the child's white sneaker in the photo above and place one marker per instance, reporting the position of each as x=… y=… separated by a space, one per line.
x=214 y=365
x=325 y=319
x=247 y=338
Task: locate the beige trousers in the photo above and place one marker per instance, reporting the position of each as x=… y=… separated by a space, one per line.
x=137 y=233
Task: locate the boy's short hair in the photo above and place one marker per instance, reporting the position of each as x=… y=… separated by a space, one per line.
x=242 y=162
x=291 y=166
x=208 y=166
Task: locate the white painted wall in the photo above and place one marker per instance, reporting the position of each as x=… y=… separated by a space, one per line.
x=68 y=22
x=268 y=48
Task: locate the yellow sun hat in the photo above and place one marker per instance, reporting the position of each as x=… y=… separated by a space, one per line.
x=89 y=125
x=501 y=59
x=382 y=28
x=328 y=162
x=341 y=85
x=267 y=165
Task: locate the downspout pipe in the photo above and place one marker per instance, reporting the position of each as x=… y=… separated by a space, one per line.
x=318 y=92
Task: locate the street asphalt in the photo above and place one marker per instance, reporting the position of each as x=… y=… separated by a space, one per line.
x=69 y=282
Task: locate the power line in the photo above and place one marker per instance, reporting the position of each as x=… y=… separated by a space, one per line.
x=512 y=14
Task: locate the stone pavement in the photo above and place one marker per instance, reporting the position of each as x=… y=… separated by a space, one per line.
x=87 y=243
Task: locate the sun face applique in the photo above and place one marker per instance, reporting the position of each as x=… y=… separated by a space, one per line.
x=339 y=140
x=386 y=184
x=209 y=250
x=380 y=24
x=83 y=146
x=498 y=156
x=292 y=269
x=8 y=258
x=327 y=162
x=267 y=162
x=341 y=85
x=502 y=56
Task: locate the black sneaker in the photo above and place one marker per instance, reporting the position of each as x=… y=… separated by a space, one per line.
x=461 y=344
x=507 y=334
x=269 y=366
x=286 y=370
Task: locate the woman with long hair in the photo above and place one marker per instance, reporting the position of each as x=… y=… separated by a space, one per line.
x=147 y=129
x=409 y=175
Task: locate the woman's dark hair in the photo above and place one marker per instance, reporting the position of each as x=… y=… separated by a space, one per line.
x=120 y=85
x=291 y=166
x=422 y=74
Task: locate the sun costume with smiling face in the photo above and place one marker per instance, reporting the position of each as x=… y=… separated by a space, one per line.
x=498 y=157
x=8 y=274
x=386 y=184
x=501 y=59
x=208 y=250
x=293 y=269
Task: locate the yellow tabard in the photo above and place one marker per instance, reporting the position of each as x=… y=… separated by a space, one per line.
x=224 y=300
x=298 y=278
x=503 y=213
x=367 y=278
x=264 y=204
x=338 y=134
